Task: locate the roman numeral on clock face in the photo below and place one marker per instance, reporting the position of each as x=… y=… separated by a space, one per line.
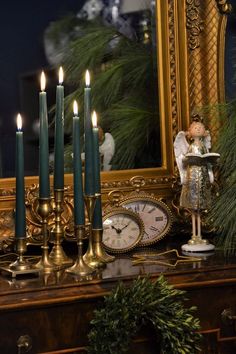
x=159 y=218
x=136 y=208
x=153 y=228
x=144 y=205
x=151 y=210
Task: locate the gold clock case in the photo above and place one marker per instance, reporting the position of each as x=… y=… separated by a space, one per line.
x=134 y=216
x=190 y=55
x=136 y=197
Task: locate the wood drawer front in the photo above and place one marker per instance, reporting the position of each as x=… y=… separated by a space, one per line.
x=50 y=328
x=219 y=333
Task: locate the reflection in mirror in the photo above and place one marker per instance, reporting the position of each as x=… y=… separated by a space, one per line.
x=116 y=41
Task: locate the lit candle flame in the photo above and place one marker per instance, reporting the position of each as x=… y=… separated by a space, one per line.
x=94 y=119
x=87 y=78
x=75 y=108
x=19 y=122
x=43 y=81
x=60 y=75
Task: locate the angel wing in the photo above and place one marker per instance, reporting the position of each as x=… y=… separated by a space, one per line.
x=107 y=149
x=207 y=143
x=181 y=147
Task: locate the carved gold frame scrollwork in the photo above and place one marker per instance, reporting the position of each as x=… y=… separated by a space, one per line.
x=190 y=56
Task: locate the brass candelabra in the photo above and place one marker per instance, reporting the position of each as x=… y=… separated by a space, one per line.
x=44 y=210
x=57 y=255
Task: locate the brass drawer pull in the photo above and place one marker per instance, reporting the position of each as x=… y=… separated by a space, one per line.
x=24 y=344
x=227 y=315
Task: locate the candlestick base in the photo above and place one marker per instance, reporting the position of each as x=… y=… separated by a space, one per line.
x=58 y=256
x=90 y=257
x=98 y=247
x=93 y=261
x=44 y=210
x=14 y=273
x=45 y=264
x=21 y=266
x=80 y=268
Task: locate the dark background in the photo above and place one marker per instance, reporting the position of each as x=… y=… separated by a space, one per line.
x=22 y=58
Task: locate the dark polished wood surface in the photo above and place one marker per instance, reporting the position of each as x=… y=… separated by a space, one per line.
x=55 y=310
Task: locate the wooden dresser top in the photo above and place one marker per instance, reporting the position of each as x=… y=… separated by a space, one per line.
x=211 y=270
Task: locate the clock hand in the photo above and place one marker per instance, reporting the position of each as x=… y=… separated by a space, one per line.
x=117 y=230
x=125 y=226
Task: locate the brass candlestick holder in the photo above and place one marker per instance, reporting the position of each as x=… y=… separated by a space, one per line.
x=98 y=247
x=57 y=255
x=21 y=266
x=80 y=268
x=44 y=210
x=90 y=257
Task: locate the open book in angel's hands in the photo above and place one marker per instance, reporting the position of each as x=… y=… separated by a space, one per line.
x=197 y=159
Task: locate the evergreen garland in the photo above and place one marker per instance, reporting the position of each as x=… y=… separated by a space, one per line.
x=126 y=309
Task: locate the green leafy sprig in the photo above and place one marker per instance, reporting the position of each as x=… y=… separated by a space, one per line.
x=127 y=309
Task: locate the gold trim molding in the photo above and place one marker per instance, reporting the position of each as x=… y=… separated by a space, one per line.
x=194 y=23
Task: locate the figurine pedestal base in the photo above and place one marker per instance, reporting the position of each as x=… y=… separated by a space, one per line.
x=197 y=248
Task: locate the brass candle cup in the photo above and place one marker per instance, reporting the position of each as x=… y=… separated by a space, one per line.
x=44 y=210
x=80 y=268
x=57 y=254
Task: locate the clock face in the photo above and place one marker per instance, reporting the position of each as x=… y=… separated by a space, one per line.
x=122 y=230
x=155 y=216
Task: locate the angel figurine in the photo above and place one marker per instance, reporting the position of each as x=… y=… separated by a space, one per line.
x=195 y=162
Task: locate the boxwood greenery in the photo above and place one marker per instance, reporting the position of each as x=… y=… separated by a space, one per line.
x=126 y=309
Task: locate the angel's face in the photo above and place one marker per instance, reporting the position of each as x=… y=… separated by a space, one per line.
x=197 y=130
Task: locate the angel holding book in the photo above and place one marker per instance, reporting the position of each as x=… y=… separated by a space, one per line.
x=195 y=162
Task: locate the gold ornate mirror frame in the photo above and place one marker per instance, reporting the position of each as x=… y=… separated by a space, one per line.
x=190 y=54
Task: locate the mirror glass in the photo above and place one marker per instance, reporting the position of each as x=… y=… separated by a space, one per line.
x=230 y=54
x=41 y=37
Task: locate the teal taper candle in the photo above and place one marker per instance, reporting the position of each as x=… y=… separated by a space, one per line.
x=59 y=135
x=97 y=215
x=77 y=169
x=44 y=183
x=88 y=143
x=20 y=218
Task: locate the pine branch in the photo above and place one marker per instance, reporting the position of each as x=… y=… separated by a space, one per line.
x=222 y=214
